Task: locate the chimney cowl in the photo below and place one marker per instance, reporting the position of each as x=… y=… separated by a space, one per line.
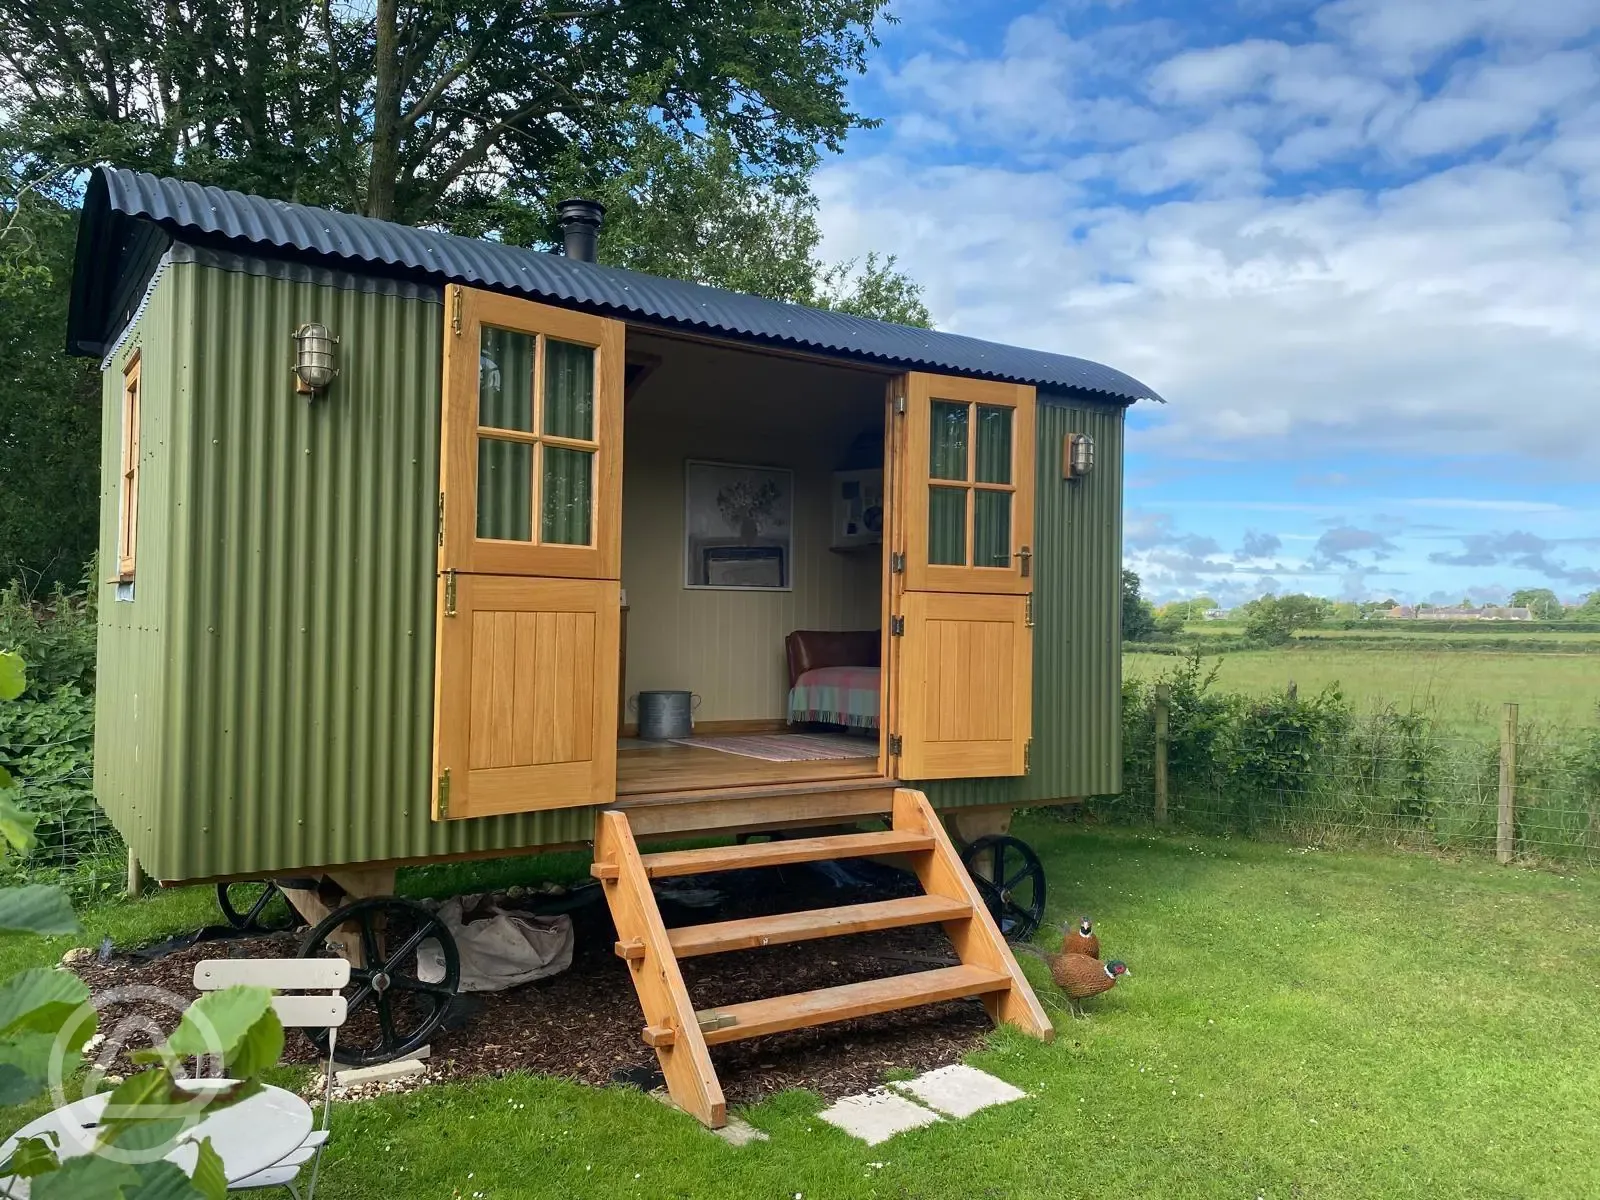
x=580 y=227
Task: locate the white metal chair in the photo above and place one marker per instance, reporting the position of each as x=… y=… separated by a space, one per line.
x=323 y=1009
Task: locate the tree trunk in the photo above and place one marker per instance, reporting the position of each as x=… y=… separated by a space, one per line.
x=385 y=113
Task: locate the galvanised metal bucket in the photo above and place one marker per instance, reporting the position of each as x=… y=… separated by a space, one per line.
x=666 y=714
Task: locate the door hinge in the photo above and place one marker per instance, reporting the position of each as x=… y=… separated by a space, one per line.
x=897 y=627
x=895 y=745
x=441 y=520
x=450 y=592
x=897 y=563
x=1027 y=611
x=444 y=793
x=1027 y=757
x=455 y=310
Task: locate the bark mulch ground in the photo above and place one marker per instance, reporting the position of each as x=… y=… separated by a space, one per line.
x=584 y=1024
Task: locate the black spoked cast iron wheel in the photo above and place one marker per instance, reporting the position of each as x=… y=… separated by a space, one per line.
x=408 y=976
x=256 y=904
x=1010 y=879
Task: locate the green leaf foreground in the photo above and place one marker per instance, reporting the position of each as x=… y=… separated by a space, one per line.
x=16 y=824
x=237 y=1023
x=13 y=675
x=33 y=1156
x=41 y=998
x=209 y=1177
x=37 y=908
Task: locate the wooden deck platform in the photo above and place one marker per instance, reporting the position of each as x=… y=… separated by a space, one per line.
x=668 y=767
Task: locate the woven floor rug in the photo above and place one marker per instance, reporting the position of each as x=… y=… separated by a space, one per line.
x=788 y=747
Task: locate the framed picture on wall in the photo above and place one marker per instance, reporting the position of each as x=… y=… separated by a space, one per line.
x=738 y=526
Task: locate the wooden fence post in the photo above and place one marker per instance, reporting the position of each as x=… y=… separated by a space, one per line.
x=1506 y=827
x=1163 y=708
x=135 y=875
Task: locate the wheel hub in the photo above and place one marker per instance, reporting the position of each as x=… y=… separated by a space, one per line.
x=380 y=982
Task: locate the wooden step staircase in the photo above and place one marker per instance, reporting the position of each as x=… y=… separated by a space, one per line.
x=681 y=1034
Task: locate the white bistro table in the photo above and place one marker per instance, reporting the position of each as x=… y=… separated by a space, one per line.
x=249 y=1136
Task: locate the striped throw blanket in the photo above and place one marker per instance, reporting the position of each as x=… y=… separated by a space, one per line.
x=837 y=695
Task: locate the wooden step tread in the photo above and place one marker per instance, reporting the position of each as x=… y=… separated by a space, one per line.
x=718 y=936
x=761 y=1017
x=777 y=853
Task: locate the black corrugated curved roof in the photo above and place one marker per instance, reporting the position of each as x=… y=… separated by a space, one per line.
x=121 y=205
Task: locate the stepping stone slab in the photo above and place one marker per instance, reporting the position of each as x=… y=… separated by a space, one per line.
x=959 y=1090
x=878 y=1115
x=401 y=1069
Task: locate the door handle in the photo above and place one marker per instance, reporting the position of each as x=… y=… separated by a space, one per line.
x=1025 y=557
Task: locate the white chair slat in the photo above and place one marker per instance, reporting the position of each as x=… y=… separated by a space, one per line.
x=310 y=1012
x=298 y=1158
x=271 y=1177
x=280 y=974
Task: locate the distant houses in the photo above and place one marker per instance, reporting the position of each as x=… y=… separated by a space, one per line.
x=1489 y=612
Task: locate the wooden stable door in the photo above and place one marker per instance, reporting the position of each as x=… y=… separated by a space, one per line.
x=961 y=644
x=529 y=604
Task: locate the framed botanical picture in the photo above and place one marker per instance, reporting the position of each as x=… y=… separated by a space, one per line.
x=738 y=526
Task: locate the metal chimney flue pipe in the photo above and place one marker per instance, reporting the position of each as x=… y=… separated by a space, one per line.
x=580 y=227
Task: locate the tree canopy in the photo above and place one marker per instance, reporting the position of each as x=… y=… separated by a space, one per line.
x=1275 y=619
x=425 y=112
x=696 y=122
x=1542 y=602
x=1138 y=617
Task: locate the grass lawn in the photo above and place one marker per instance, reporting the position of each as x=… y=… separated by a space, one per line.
x=1465 y=688
x=1297 y=1024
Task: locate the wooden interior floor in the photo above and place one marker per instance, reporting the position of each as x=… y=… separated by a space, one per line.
x=669 y=767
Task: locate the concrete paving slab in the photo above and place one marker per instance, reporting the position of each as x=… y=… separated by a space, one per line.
x=356 y=1076
x=878 y=1115
x=959 y=1090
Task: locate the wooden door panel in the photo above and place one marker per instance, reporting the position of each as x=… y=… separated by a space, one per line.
x=527 y=695
x=960 y=678
x=530 y=510
x=965 y=685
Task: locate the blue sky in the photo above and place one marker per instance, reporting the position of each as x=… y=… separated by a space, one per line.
x=1354 y=243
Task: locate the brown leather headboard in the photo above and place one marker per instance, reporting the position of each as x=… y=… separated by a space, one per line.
x=809 y=649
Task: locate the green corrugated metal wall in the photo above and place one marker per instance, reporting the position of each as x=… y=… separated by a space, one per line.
x=1077 y=647
x=292 y=660
x=133 y=713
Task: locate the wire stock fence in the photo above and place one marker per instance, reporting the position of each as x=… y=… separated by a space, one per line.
x=1317 y=773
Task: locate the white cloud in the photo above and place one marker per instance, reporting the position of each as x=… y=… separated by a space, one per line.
x=1414 y=33
x=1449 y=312
x=1218 y=72
x=1497 y=101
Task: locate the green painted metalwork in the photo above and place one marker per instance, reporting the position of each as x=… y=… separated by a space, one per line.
x=133 y=747
x=265 y=700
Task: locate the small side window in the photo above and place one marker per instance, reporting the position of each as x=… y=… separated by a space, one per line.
x=128 y=500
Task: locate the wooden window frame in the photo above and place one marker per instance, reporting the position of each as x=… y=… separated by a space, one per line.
x=922 y=391
x=128 y=479
x=461 y=549
x=539 y=440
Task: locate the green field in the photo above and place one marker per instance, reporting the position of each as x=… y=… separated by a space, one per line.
x=1298 y=1023
x=1462 y=687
